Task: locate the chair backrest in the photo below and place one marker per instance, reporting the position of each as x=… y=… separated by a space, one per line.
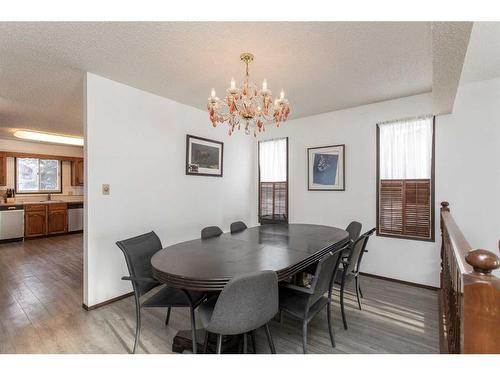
x=238 y=226
x=246 y=303
x=323 y=277
x=138 y=252
x=210 y=232
x=357 y=251
x=354 y=229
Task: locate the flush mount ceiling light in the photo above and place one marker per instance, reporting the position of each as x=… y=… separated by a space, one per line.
x=247 y=106
x=45 y=137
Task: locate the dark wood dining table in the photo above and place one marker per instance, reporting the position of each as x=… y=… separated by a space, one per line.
x=208 y=264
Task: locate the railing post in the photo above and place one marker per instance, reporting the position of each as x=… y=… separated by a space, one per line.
x=444 y=207
x=482 y=261
x=481 y=303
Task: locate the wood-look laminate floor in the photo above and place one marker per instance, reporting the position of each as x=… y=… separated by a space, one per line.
x=40 y=312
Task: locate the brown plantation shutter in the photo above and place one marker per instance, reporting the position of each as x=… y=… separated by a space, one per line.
x=273 y=202
x=391 y=207
x=405 y=208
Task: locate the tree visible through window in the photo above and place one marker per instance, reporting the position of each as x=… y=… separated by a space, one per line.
x=38 y=175
x=405 y=172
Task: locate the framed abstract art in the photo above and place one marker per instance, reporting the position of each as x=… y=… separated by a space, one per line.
x=325 y=168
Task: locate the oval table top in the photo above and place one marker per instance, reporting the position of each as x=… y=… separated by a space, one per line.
x=207 y=265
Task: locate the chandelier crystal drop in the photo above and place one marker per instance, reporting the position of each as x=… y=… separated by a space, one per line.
x=248 y=106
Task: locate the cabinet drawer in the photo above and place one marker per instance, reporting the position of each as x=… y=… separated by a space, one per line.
x=57 y=206
x=34 y=207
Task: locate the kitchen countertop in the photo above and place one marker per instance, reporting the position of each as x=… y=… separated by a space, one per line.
x=43 y=202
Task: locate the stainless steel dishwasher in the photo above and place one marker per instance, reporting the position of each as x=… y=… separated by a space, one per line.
x=11 y=222
x=75 y=217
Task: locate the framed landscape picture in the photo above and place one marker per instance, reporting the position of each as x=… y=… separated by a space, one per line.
x=204 y=157
x=325 y=168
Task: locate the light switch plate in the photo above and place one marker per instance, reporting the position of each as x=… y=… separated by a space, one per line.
x=105 y=189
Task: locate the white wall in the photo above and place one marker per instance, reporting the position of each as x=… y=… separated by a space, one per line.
x=467 y=175
x=42 y=148
x=408 y=260
x=468 y=162
x=136 y=142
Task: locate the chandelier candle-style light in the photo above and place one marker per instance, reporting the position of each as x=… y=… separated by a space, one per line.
x=247 y=106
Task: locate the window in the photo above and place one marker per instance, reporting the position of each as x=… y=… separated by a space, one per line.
x=273 y=181
x=38 y=175
x=405 y=178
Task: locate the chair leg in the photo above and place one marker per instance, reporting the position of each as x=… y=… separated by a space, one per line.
x=304 y=336
x=205 y=343
x=137 y=323
x=193 y=330
x=219 y=344
x=270 y=339
x=330 y=327
x=357 y=291
x=344 y=320
x=254 y=345
x=167 y=319
x=359 y=287
x=245 y=343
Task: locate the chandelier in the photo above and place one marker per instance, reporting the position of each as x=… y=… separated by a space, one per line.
x=247 y=106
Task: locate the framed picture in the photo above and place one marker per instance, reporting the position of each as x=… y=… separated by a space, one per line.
x=325 y=168
x=204 y=157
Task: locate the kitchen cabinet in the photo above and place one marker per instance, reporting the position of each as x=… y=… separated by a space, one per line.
x=77 y=172
x=35 y=220
x=57 y=218
x=44 y=219
x=3 y=169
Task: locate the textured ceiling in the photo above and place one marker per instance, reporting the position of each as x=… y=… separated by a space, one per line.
x=322 y=66
x=483 y=56
x=449 y=46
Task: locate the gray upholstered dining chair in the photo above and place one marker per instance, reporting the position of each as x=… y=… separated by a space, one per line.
x=246 y=303
x=138 y=252
x=209 y=232
x=238 y=226
x=354 y=229
x=351 y=263
x=304 y=303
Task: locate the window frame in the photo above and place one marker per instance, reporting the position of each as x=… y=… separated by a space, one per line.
x=432 y=194
x=39 y=191
x=287 y=181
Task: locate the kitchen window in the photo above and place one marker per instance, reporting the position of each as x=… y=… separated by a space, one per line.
x=405 y=178
x=273 y=181
x=37 y=176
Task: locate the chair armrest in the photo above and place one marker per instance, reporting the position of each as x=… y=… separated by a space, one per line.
x=298 y=288
x=140 y=279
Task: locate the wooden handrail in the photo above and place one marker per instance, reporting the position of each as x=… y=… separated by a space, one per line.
x=469 y=295
x=458 y=242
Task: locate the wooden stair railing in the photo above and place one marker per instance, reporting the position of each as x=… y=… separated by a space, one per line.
x=469 y=298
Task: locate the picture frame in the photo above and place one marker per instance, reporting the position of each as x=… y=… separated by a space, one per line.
x=204 y=157
x=326 y=168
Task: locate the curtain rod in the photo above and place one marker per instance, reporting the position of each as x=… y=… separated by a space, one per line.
x=421 y=117
x=273 y=139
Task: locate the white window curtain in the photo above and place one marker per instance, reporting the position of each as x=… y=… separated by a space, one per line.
x=406 y=149
x=272 y=160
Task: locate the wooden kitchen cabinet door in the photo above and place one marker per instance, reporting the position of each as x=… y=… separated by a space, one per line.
x=58 y=221
x=3 y=169
x=35 y=223
x=77 y=172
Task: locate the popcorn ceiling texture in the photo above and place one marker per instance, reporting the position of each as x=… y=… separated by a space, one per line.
x=322 y=66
